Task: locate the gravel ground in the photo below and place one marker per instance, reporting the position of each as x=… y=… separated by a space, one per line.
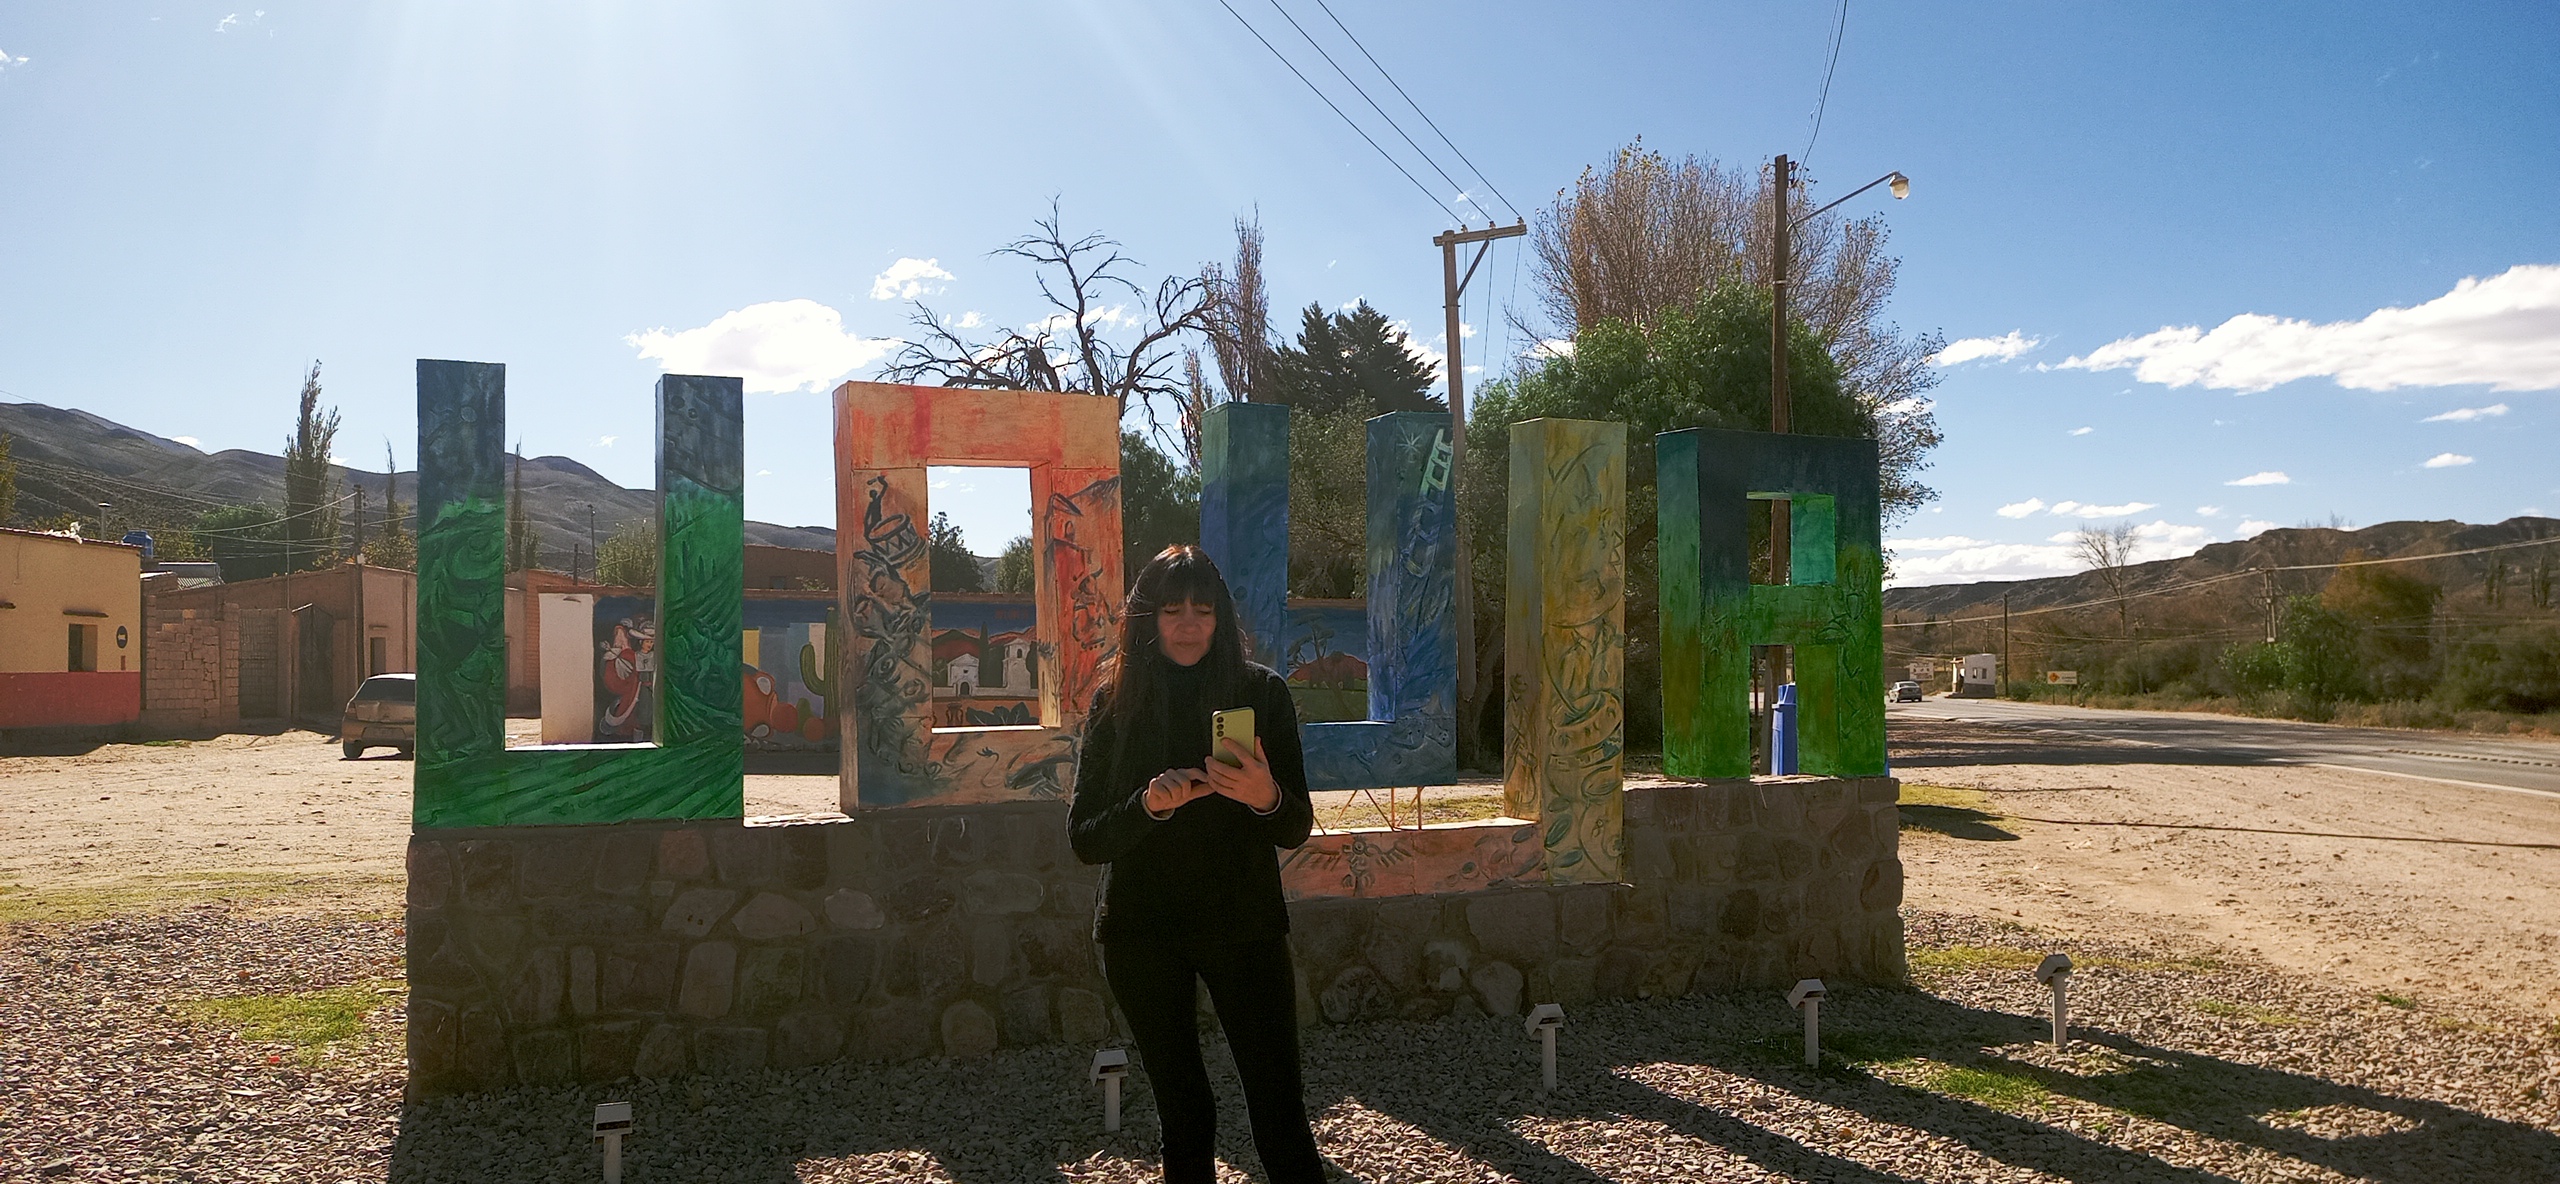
x=2185 y=1067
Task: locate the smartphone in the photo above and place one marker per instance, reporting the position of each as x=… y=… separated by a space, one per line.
x=1235 y=723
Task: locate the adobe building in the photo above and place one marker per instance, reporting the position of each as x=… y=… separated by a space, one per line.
x=70 y=625
x=277 y=651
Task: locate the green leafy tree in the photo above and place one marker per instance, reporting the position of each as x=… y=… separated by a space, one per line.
x=1328 y=502
x=1352 y=361
x=2393 y=613
x=2319 y=649
x=2516 y=668
x=8 y=482
x=1014 y=576
x=393 y=545
x=954 y=568
x=1159 y=503
x=629 y=559
x=310 y=504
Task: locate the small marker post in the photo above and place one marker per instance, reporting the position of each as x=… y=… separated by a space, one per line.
x=1544 y=1021
x=1109 y=1066
x=1807 y=996
x=613 y=1120
x=2055 y=972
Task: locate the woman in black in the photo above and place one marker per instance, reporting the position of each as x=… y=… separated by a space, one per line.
x=1192 y=893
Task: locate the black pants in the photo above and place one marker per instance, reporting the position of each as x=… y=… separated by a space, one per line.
x=1255 y=993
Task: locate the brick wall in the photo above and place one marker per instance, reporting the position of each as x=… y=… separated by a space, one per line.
x=182 y=669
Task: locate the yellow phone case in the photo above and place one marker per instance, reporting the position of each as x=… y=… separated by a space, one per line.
x=1235 y=723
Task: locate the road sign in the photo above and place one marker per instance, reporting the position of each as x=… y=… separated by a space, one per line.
x=2062 y=678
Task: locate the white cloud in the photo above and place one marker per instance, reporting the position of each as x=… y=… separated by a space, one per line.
x=2502 y=332
x=2253 y=526
x=6 y=61
x=2208 y=511
x=2086 y=510
x=1993 y=561
x=2448 y=460
x=2080 y=431
x=606 y=441
x=2020 y=509
x=190 y=442
x=2467 y=414
x=224 y=26
x=764 y=472
x=1561 y=347
x=1952 y=542
x=1974 y=349
x=907 y=279
x=970 y=320
x=2269 y=477
x=781 y=345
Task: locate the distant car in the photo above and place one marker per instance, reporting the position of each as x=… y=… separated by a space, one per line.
x=1906 y=692
x=384 y=714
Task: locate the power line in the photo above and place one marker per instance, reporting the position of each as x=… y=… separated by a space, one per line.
x=1417 y=109
x=1346 y=119
x=1357 y=89
x=1838 y=28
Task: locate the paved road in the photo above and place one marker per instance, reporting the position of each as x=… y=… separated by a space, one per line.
x=2523 y=766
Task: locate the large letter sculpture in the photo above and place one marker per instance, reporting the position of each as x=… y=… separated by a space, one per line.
x=466 y=776
x=1564 y=643
x=1831 y=611
x=885 y=437
x=1410 y=737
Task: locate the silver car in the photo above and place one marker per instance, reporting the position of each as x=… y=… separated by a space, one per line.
x=1906 y=692
x=384 y=714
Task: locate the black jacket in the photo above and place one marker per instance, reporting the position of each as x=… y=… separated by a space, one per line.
x=1211 y=870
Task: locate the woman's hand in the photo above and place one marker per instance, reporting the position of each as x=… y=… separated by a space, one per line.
x=1173 y=789
x=1248 y=782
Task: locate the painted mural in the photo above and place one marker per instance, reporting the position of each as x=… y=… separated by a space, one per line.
x=1831 y=608
x=1371 y=862
x=695 y=768
x=914 y=737
x=1565 y=643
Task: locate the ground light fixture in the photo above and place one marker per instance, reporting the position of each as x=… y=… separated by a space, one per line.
x=2055 y=972
x=1109 y=1066
x=1544 y=1021
x=613 y=1120
x=1807 y=996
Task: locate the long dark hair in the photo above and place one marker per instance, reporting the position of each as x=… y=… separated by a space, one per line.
x=1178 y=574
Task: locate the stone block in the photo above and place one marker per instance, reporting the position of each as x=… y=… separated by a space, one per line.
x=1782 y=911
x=1740 y=917
x=1582 y=918
x=1778 y=807
x=941 y=960
x=1621 y=973
x=1444 y=965
x=1422 y=1009
x=852 y=908
x=1832 y=897
x=637 y=976
x=588 y=917
x=771 y=916
x=430 y=874
x=447 y=966
x=1355 y=995
x=1886 y=823
x=545 y=1058
x=683 y=854
x=1880 y=889
x=846 y=966
x=967 y=1030
x=1671 y=972
x=1648 y=853
x=1718 y=856
x=919 y=898
x=697 y=911
x=1758 y=862
x=487 y=869
x=710 y=981
x=1729 y=807
x=1072 y=895
x=905 y=844
x=582 y=981
x=1051 y=947
x=623 y=866
x=1498 y=986
x=1515 y=926
x=899 y=1030
x=1691 y=909
x=770 y=981
x=1027 y=840
x=746 y=857
x=1025 y=1015
x=1796 y=859
x=849 y=853
x=807 y=1038
x=1082 y=1019
x=1326 y=933
x=1394 y=951
x=556 y=866
x=480 y=1050
x=958 y=841
x=434 y=1029
x=1643 y=914
x=539 y=989
x=990 y=952
x=608 y=1051
x=495 y=941
x=1572 y=981
x=803 y=850
x=729 y=1050
x=988 y=892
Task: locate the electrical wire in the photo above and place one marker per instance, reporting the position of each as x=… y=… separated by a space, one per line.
x=1417 y=109
x=1346 y=119
x=1838 y=28
x=1356 y=88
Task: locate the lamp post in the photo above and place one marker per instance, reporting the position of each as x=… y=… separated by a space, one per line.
x=1781 y=407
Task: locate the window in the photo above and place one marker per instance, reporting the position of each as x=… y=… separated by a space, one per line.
x=84 y=647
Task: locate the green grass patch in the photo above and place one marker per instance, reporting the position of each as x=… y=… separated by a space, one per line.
x=310 y=1022
x=1999 y=1089
x=166 y=743
x=1952 y=797
x=163 y=893
x=2248 y=1011
x=1949 y=960
x=1954 y=812
x=2402 y=1002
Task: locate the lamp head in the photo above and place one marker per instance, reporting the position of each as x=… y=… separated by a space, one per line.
x=1901 y=186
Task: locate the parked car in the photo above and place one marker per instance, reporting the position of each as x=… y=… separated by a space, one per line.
x=1906 y=692
x=384 y=714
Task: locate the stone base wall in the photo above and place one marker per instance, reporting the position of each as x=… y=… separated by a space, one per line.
x=542 y=955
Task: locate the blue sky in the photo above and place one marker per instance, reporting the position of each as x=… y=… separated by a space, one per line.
x=203 y=198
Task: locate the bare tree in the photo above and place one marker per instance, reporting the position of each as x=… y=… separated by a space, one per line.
x=2108 y=550
x=1075 y=347
x=1646 y=233
x=1240 y=317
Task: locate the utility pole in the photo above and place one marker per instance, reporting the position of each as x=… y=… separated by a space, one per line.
x=2007 y=671
x=1781 y=511
x=359 y=522
x=1454 y=287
